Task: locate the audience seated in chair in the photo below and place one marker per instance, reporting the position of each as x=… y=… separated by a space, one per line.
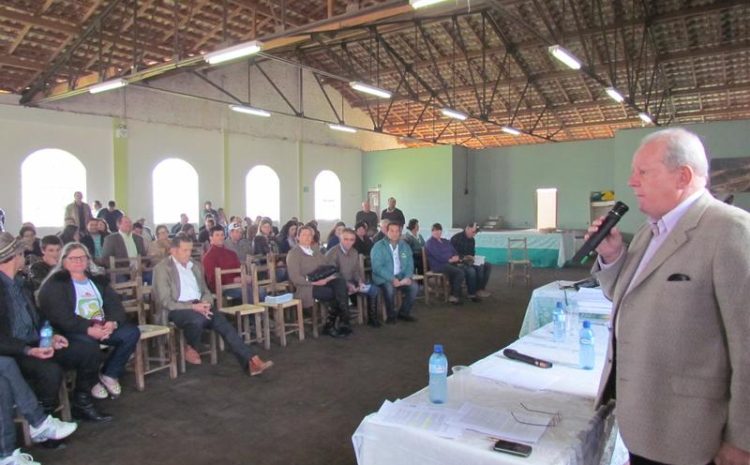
x=218 y=256
x=346 y=258
x=265 y=242
x=32 y=248
x=303 y=260
x=383 y=232
x=465 y=246
x=362 y=243
x=181 y=292
x=392 y=270
x=287 y=238
x=14 y=392
x=85 y=309
x=159 y=249
x=443 y=258
x=204 y=233
x=178 y=227
x=334 y=236
x=238 y=244
x=123 y=244
x=38 y=271
x=368 y=216
x=414 y=238
x=94 y=240
x=69 y=234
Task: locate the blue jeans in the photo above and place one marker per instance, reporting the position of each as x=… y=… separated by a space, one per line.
x=408 y=293
x=123 y=339
x=15 y=391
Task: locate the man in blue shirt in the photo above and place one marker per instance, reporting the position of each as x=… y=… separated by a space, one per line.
x=443 y=258
x=392 y=269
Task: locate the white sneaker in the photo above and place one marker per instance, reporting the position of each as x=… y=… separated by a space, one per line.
x=52 y=428
x=19 y=458
x=483 y=293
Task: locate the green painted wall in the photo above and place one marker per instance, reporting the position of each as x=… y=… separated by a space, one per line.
x=121 y=165
x=420 y=179
x=505 y=180
x=726 y=139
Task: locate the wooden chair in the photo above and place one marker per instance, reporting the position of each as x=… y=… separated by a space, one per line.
x=241 y=311
x=518 y=257
x=161 y=338
x=434 y=283
x=124 y=269
x=160 y=317
x=281 y=328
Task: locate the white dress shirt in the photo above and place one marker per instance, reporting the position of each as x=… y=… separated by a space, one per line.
x=396 y=259
x=189 y=288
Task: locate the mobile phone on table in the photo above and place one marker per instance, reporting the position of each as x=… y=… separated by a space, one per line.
x=510 y=447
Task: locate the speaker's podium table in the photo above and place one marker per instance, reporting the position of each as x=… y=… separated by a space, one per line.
x=501 y=386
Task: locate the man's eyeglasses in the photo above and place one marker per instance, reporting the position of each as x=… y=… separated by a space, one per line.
x=77 y=258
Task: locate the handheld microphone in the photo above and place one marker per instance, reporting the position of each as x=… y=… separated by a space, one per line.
x=614 y=215
x=515 y=355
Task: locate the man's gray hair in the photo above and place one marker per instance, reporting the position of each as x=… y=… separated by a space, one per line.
x=683 y=148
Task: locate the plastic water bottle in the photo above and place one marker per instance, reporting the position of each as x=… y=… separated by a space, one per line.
x=438 y=376
x=45 y=335
x=586 y=354
x=558 y=322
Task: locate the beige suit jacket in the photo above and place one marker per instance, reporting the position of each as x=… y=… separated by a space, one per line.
x=166 y=290
x=682 y=372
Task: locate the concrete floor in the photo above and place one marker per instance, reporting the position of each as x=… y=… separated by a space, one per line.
x=305 y=409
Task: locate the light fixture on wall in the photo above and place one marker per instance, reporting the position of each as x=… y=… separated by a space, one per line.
x=342 y=128
x=451 y=113
x=368 y=89
x=250 y=110
x=232 y=53
x=416 y=4
x=646 y=118
x=564 y=56
x=108 y=85
x=614 y=94
x=510 y=130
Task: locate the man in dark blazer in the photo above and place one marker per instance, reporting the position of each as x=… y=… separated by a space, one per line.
x=679 y=358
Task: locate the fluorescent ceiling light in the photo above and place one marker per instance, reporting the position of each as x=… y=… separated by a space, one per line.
x=615 y=95
x=368 y=89
x=454 y=114
x=250 y=110
x=510 y=130
x=645 y=118
x=232 y=53
x=342 y=128
x=108 y=85
x=416 y=4
x=564 y=56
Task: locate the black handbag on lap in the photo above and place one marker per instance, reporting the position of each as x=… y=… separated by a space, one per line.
x=321 y=272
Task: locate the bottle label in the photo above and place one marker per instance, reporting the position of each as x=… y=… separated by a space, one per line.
x=587 y=341
x=438 y=369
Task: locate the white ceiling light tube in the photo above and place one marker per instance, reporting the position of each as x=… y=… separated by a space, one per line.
x=615 y=95
x=450 y=113
x=368 y=89
x=510 y=130
x=417 y=4
x=645 y=117
x=342 y=128
x=232 y=53
x=108 y=85
x=564 y=56
x=250 y=110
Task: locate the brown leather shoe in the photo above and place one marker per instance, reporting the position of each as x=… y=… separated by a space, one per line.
x=257 y=366
x=192 y=356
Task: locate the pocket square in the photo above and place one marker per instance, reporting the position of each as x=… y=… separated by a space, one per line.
x=678 y=277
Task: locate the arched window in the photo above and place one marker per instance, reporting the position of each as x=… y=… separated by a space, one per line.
x=175 y=184
x=327 y=196
x=262 y=193
x=49 y=177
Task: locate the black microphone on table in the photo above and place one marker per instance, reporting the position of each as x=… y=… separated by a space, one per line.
x=515 y=355
x=614 y=215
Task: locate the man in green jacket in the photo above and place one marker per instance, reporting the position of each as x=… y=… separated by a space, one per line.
x=392 y=269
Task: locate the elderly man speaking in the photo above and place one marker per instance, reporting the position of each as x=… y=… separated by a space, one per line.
x=679 y=359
